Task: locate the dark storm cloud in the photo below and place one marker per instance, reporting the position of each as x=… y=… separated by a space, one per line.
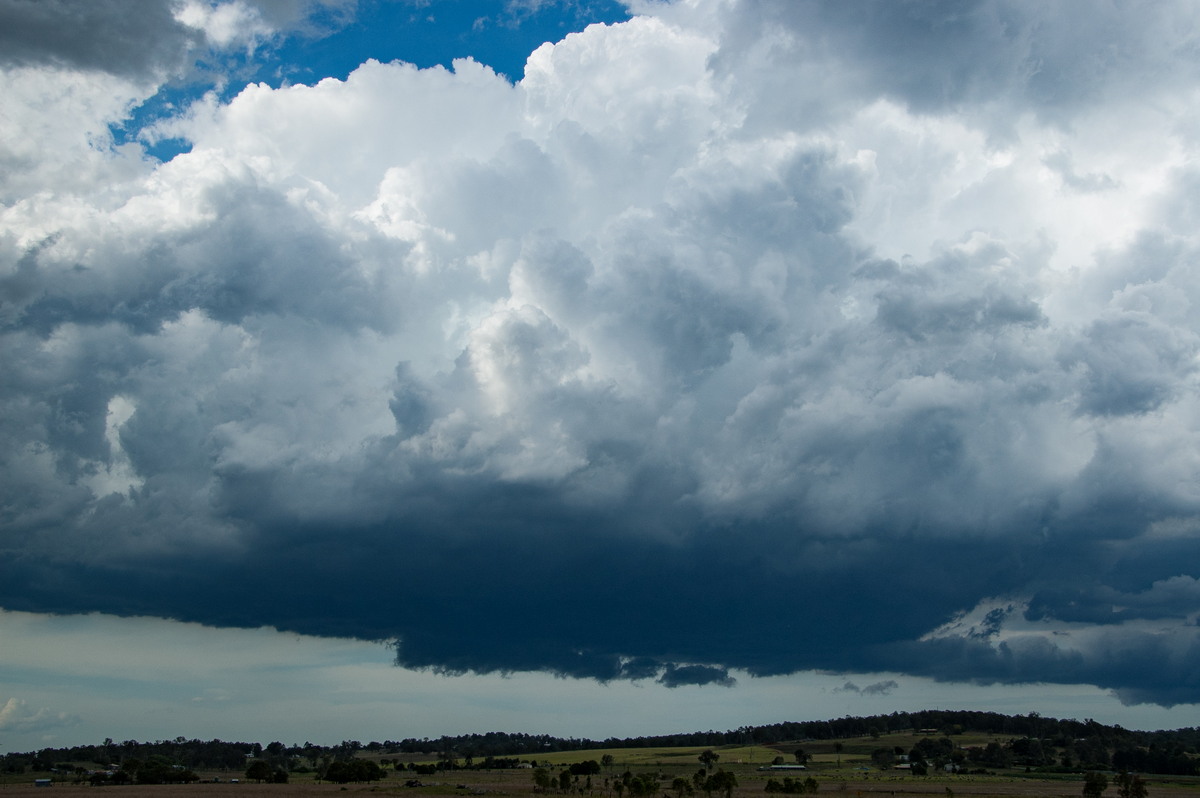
x=136 y=40
x=1139 y=667
x=1103 y=604
x=1133 y=364
x=877 y=688
x=679 y=675
x=631 y=371
x=293 y=270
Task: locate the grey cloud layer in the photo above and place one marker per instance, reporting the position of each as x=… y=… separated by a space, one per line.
x=144 y=41
x=133 y=39
x=672 y=359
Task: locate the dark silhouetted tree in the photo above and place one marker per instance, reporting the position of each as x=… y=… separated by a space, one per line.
x=259 y=770
x=722 y=781
x=586 y=768
x=1130 y=785
x=1094 y=784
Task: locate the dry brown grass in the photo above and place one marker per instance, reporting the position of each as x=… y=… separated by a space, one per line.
x=519 y=784
x=1020 y=788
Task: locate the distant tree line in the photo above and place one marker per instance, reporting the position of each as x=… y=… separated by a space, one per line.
x=1082 y=745
x=944 y=722
x=131 y=754
x=1038 y=742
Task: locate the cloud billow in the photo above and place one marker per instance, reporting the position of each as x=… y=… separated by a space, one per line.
x=668 y=361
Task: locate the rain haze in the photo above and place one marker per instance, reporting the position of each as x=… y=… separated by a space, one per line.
x=385 y=369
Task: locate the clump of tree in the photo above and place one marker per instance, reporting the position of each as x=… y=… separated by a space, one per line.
x=639 y=785
x=356 y=770
x=1171 y=757
x=883 y=758
x=937 y=751
x=159 y=769
x=1130 y=785
x=588 y=767
x=790 y=786
x=992 y=755
x=119 y=777
x=1094 y=784
x=261 y=770
x=722 y=782
x=681 y=787
x=1030 y=752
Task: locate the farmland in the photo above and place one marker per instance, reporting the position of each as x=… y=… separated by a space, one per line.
x=839 y=768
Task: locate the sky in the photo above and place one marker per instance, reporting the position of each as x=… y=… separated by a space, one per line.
x=391 y=369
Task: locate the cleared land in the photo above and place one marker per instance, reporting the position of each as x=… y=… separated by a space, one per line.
x=852 y=778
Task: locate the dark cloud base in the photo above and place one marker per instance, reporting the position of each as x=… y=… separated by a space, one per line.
x=576 y=598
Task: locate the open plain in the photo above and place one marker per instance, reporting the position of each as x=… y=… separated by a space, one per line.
x=842 y=773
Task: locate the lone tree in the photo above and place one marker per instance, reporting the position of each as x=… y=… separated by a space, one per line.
x=1130 y=785
x=722 y=781
x=260 y=771
x=709 y=758
x=1094 y=784
x=801 y=756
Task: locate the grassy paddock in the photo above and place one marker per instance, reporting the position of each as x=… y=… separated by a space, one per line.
x=666 y=757
x=848 y=781
x=863 y=746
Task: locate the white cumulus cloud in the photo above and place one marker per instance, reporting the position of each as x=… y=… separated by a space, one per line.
x=840 y=291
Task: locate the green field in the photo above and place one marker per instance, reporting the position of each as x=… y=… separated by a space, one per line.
x=666 y=757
